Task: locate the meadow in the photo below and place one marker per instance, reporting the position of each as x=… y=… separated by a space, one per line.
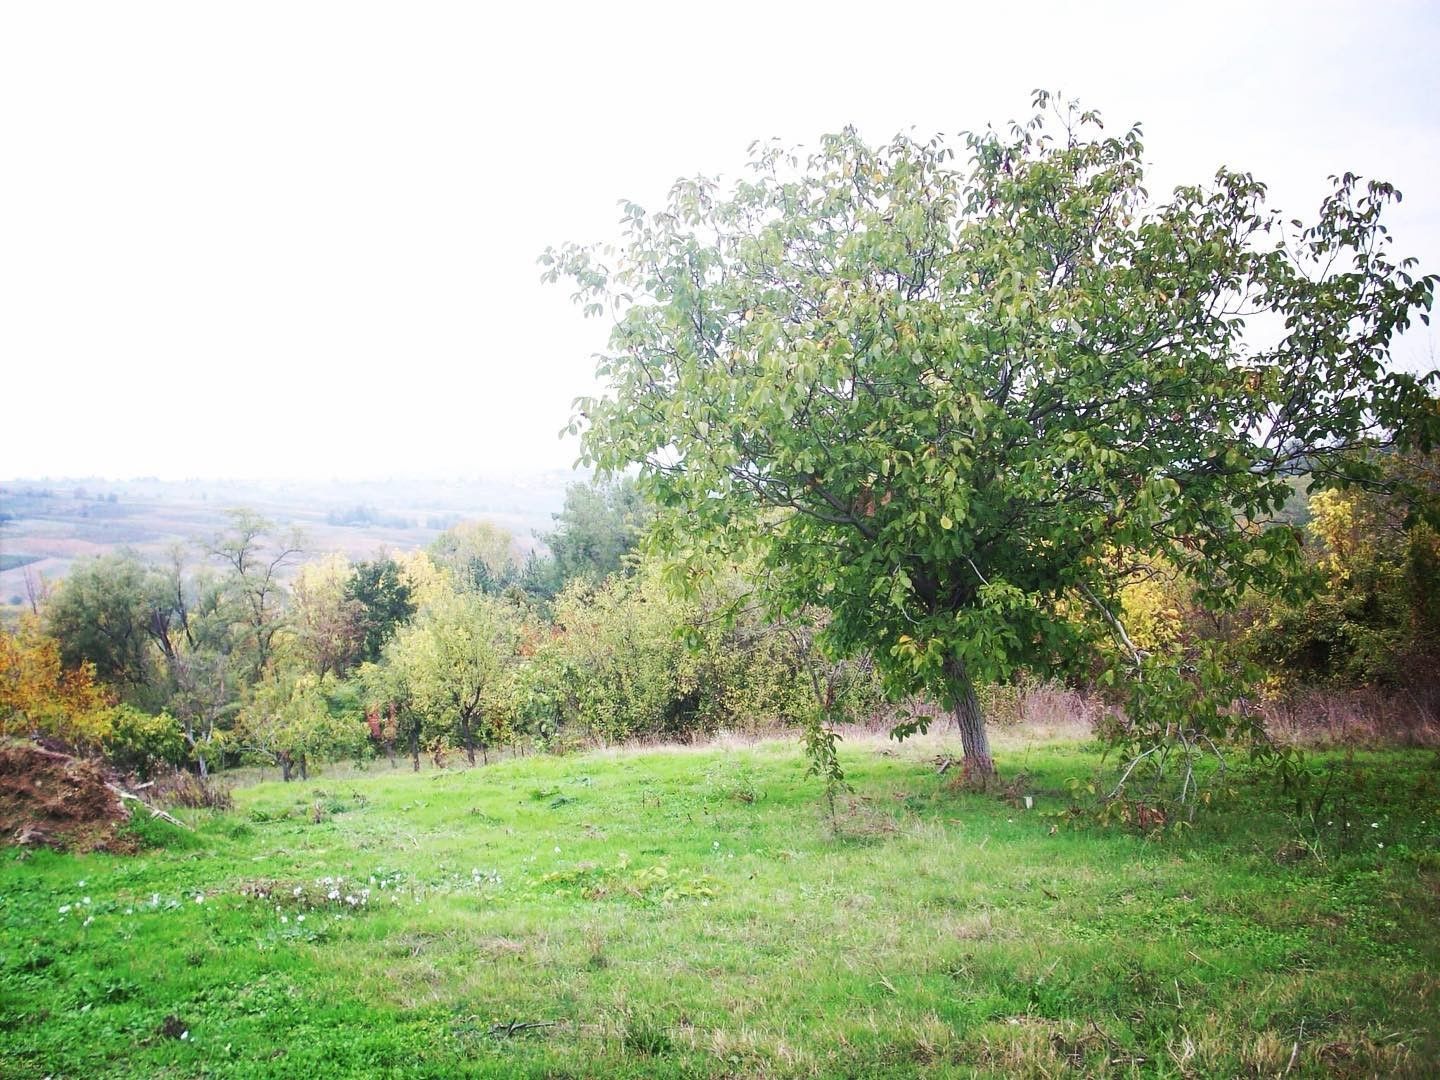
x=700 y=912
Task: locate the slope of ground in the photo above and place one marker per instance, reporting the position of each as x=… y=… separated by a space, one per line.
x=697 y=913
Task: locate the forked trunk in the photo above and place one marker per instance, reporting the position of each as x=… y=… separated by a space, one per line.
x=974 y=740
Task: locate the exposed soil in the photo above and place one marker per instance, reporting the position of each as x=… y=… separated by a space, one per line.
x=53 y=799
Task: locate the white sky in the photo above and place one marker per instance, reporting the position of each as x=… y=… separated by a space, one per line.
x=299 y=239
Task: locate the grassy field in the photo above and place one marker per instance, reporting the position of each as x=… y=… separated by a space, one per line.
x=696 y=913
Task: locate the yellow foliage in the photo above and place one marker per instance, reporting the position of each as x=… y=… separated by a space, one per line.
x=1154 y=612
x=38 y=697
x=427 y=582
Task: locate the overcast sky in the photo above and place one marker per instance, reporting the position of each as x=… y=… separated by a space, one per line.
x=299 y=239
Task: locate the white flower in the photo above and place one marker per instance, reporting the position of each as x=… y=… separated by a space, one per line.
x=91 y=918
x=199 y=897
x=299 y=889
x=154 y=899
x=1374 y=824
x=184 y=1035
x=333 y=894
x=284 y=918
x=129 y=911
x=81 y=885
x=65 y=909
x=86 y=900
x=299 y=918
x=557 y=849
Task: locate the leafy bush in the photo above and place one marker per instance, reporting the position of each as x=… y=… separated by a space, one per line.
x=141 y=743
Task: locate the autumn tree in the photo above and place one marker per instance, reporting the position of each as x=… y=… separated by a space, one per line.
x=255 y=556
x=386 y=600
x=477 y=555
x=455 y=659
x=40 y=696
x=289 y=721
x=957 y=400
x=329 y=621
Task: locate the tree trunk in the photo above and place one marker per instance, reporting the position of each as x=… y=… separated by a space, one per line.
x=974 y=740
x=284 y=762
x=469 y=738
x=415 y=746
x=304 y=768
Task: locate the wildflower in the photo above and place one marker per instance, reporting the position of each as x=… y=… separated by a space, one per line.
x=91 y=918
x=333 y=894
x=1374 y=824
x=199 y=897
x=129 y=911
x=65 y=909
x=557 y=849
x=284 y=918
x=299 y=889
x=154 y=899
x=86 y=900
x=81 y=885
x=299 y=918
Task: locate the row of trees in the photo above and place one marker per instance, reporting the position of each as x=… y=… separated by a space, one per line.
x=251 y=654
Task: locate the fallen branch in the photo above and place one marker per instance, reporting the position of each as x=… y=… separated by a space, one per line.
x=516 y=1027
x=155 y=811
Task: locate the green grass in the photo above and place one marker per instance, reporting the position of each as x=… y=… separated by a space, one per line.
x=693 y=913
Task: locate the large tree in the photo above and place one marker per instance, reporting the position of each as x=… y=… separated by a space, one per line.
x=960 y=402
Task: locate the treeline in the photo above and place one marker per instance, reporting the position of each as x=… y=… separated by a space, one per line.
x=238 y=651
x=247 y=649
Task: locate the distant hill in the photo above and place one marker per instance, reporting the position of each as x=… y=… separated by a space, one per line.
x=46 y=524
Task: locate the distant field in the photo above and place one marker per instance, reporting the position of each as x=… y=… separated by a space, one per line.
x=44 y=528
x=683 y=913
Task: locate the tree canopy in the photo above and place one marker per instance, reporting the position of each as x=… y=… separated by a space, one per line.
x=961 y=402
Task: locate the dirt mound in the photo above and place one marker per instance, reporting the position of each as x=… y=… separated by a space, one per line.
x=60 y=801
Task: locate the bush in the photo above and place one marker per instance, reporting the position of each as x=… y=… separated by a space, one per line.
x=140 y=743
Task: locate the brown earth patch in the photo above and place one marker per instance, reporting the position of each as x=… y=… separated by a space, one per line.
x=55 y=800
